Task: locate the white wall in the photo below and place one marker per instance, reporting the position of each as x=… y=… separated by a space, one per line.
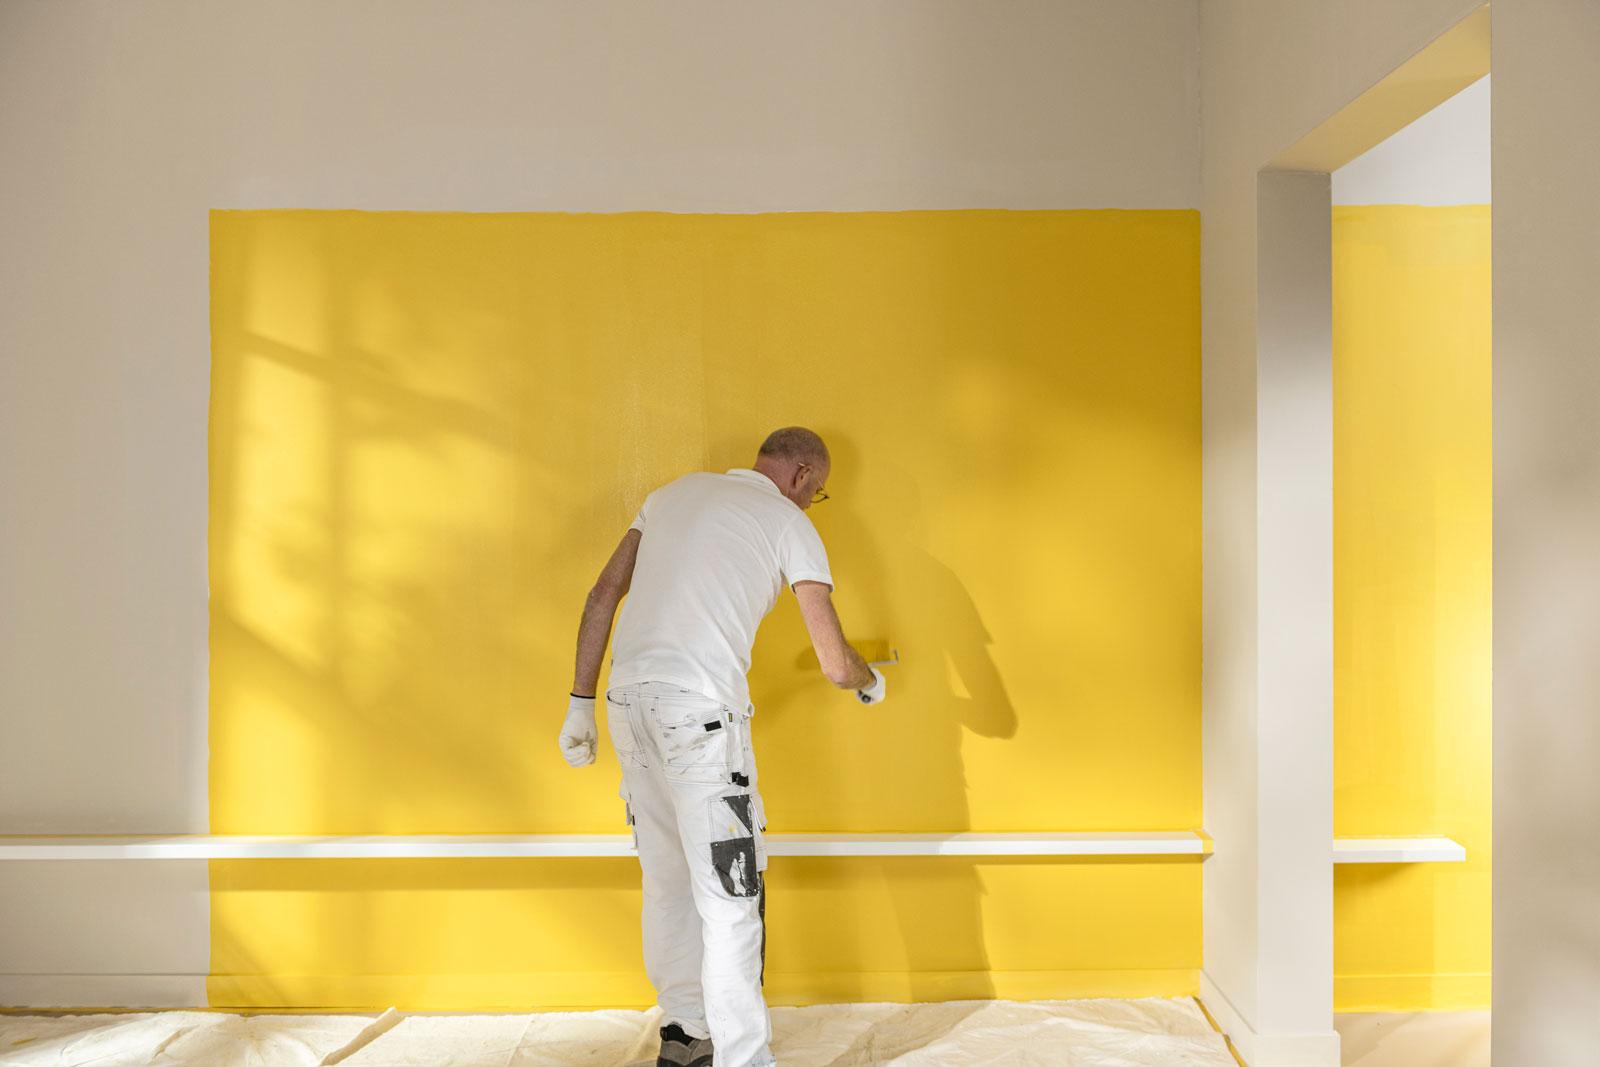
x=1294 y=604
x=1439 y=160
x=123 y=124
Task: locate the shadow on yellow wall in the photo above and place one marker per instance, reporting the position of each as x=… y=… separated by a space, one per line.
x=954 y=686
x=427 y=433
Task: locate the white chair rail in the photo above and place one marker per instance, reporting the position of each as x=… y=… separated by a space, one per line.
x=447 y=846
x=237 y=846
x=1397 y=850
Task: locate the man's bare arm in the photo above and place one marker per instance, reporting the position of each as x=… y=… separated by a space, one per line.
x=842 y=664
x=594 y=631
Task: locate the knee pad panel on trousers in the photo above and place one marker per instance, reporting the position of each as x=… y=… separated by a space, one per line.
x=733 y=843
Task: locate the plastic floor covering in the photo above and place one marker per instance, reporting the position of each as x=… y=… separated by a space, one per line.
x=1149 y=1032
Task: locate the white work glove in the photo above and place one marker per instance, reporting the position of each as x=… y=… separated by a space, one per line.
x=874 y=693
x=578 y=736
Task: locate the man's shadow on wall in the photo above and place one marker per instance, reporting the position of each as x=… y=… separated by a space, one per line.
x=945 y=684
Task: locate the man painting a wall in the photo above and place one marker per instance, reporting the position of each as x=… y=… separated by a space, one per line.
x=702 y=564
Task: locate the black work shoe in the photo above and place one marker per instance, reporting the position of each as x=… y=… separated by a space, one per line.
x=678 y=1049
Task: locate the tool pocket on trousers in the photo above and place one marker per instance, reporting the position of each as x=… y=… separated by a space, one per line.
x=627 y=812
x=733 y=843
x=623 y=739
x=759 y=808
x=694 y=739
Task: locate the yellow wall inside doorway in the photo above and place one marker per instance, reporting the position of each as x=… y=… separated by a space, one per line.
x=1412 y=592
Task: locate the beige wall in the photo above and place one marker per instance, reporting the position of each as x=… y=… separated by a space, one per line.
x=1546 y=234
x=1271 y=73
x=122 y=125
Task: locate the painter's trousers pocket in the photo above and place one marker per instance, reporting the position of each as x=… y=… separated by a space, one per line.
x=692 y=733
x=627 y=811
x=758 y=807
x=619 y=723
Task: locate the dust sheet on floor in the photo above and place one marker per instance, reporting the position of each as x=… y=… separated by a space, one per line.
x=1147 y=1032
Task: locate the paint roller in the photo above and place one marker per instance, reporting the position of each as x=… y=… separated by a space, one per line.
x=877 y=653
x=880 y=660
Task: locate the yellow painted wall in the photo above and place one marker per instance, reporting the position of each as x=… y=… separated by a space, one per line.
x=429 y=430
x=1412 y=592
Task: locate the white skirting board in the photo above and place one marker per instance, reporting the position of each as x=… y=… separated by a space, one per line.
x=63 y=992
x=234 y=846
x=1317 y=1049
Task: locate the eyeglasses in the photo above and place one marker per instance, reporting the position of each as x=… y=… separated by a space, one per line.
x=819 y=496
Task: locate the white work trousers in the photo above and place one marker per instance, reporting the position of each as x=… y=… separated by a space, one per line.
x=689 y=793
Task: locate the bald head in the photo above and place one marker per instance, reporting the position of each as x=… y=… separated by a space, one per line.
x=797 y=444
x=797 y=462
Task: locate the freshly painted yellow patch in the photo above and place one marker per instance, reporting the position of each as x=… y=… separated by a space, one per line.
x=428 y=432
x=1412 y=591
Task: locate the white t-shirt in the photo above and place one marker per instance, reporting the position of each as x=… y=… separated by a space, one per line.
x=716 y=552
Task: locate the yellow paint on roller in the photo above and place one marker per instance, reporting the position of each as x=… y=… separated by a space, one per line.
x=1412 y=593
x=871 y=651
x=874 y=650
x=429 y=430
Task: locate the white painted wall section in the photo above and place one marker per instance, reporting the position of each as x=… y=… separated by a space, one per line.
x=1439 y=160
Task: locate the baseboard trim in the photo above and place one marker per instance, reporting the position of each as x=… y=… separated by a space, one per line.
x=554 y=991
x=593 y=990
x=1228 y=1018
x=1411 y=992
x=101 y=992
x=1267 y=1050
